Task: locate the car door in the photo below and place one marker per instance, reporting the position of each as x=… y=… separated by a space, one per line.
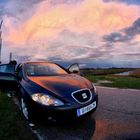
x=7 y=75
x=20 y=80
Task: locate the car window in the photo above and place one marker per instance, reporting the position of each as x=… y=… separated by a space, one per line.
x=7 y=68
x=43 y=69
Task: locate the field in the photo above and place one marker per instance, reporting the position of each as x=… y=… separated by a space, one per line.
x=135 y=73
x=12 y=125
x=100 y=71
x=106 y=77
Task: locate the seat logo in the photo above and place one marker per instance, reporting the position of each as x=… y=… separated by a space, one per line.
x=84 y=95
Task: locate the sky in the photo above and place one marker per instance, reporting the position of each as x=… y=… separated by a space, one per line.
x=94 y=33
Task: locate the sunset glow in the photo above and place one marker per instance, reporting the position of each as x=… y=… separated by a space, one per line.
x=84 y=31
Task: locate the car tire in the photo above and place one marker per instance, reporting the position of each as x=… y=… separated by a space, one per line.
x=24 y=109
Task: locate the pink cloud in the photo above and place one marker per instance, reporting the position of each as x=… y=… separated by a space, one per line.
x=37 y=33
x=88 y=16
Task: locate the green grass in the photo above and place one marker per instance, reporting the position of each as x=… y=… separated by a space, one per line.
x=96 y=78
x=100 y=71
x=12 y=126
x=120 y=82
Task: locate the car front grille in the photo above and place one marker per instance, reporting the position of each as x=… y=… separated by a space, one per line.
x=82 y=96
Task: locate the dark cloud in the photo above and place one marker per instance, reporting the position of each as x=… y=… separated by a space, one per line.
x=132 y=54
x=4 y=12
x=16 y=7
x=54 y=2
x=34 y=1
x=22 y=58
x=116 y=37
x=125 y=34
x=92 y=54
x=134 y=2
x=134 y=29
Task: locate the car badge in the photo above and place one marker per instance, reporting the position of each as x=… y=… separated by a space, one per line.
x=84 y=95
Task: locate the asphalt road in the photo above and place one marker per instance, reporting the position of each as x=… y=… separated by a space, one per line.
x=117 y=118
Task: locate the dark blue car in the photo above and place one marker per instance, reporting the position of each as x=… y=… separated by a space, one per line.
x=47 y=90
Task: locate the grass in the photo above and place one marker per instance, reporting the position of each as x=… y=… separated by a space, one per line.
x=99 y=71
x=12 y=126
x=105 y=77
x=96 y=78
x=120 y=82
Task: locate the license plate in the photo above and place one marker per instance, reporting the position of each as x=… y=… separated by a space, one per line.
x=86 y=109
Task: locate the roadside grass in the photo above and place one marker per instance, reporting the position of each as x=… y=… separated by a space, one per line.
x=95 y=78
x=100 y=71
x=12 y=126
x=120 y=82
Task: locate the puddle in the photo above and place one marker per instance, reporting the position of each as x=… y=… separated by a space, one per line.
x=103 y=82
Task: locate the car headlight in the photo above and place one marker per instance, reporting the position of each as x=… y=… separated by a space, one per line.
x=94 y=88
x=46 y=100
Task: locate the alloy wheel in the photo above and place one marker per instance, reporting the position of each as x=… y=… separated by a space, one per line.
x=24 y=109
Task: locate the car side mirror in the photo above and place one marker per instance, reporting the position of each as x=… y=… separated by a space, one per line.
x=74 y=68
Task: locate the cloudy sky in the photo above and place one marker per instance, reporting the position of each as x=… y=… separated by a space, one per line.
x=98 y=33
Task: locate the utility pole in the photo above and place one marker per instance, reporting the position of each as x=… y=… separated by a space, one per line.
x=0 y=38
x=10 y=57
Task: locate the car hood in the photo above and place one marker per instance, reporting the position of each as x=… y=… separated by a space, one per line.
x=62 y=85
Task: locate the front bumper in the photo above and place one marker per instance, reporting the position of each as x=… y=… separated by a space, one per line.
x=59 y=113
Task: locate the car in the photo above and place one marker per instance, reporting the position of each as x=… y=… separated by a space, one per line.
x=48 y=90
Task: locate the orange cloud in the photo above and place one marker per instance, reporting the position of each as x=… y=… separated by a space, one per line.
x=137 y=38
x=88 y=16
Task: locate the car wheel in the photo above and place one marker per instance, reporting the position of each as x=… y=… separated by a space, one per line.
x=24 y=109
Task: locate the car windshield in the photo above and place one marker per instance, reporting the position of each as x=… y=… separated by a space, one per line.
x=43 y=69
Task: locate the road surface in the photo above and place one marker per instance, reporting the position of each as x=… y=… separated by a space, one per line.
x=117 y=118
